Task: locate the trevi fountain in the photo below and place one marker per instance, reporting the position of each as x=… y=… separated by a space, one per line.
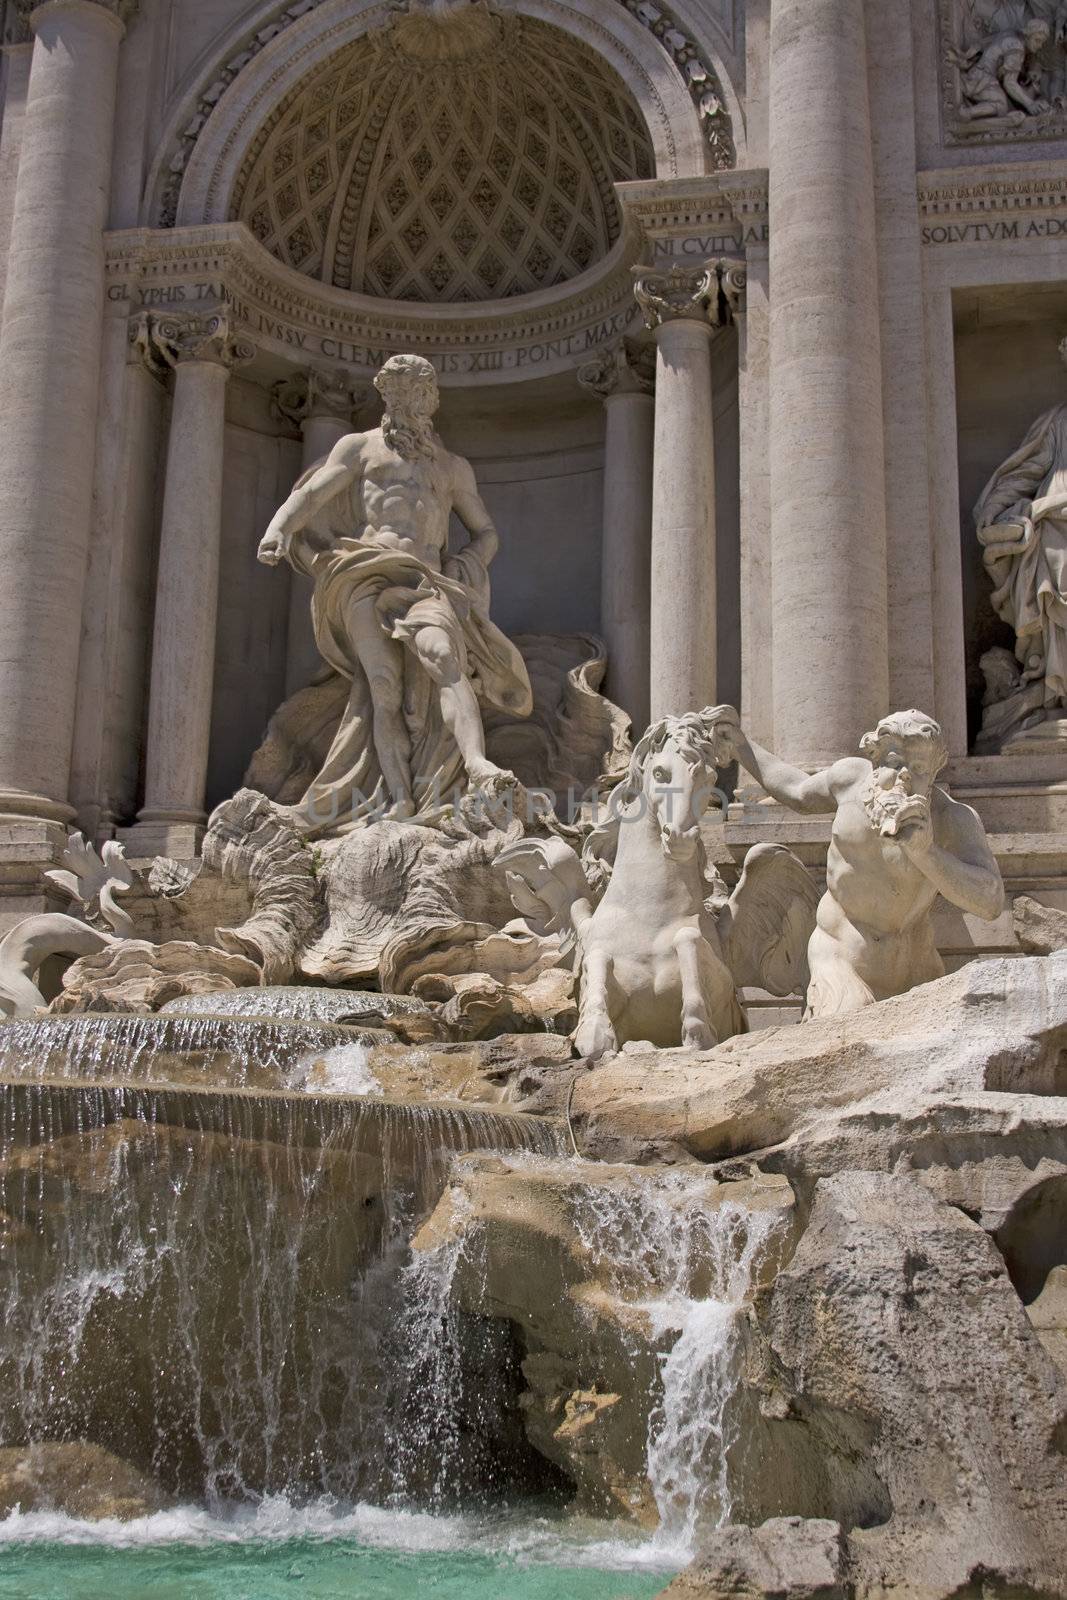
x=533 y=799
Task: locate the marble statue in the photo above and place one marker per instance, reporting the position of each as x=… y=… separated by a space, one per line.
x=661 y=951
x=993 y=73
x=402 y=618
x=898 y=841
x=1021 y=518
x=110 y=968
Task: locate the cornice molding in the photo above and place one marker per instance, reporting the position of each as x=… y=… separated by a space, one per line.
x=1031 y=186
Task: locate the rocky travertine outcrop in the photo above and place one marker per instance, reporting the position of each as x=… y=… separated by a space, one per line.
x=788 y=1556
x=897 y=1349
x=599 y=1268
x=81 y=1479
x=897 y=1418
x=1040 y=930
x=963 y=1081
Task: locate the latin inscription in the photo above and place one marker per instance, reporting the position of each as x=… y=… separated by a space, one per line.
x=309 y=342
x=994 y=232
x=706 y=246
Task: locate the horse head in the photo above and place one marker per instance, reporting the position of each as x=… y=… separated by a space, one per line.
x=675 y=769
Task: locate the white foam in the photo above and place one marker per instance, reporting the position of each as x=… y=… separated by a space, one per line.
x=344 y=1069
x=523 y=1539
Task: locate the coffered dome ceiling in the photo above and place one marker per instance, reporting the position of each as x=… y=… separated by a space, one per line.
x=447 y=161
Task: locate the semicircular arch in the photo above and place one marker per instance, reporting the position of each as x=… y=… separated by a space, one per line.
x=218 y=120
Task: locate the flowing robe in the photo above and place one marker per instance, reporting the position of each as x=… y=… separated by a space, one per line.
x=1022 y=526
x=408 y=595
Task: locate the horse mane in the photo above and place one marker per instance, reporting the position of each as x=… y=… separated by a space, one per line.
x=695 y=740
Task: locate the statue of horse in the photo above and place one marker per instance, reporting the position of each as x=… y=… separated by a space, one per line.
x=661 y=949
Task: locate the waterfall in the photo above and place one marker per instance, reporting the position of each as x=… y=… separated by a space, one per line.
x=235 y=1051
x=209 y=1283
x=678 y=1254
x=678 y=1249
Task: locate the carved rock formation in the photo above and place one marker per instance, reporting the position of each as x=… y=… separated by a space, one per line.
x=133 y=975
x=1040 y=930
x=80 y=1479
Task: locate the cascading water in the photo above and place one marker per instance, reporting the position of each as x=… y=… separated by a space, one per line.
x=685 y=1257
x=681 y=1256
x=209 y=1283
x=232 y=1051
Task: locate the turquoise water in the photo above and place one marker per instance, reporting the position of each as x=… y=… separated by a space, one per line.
x=303 y=1569
x=278 y=1553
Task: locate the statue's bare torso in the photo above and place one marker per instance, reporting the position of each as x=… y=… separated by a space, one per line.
x=398 y=502
x=860 y=857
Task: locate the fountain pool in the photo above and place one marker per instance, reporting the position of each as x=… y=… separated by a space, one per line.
x=322 y=1553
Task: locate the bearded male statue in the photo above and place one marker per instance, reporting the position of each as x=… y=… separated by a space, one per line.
x=898 y=841
x=398 y=615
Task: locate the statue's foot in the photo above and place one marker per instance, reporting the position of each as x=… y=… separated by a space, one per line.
x=698 y=1036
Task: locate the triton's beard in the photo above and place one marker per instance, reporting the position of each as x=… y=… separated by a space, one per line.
x=888 y=809
x=409 y=433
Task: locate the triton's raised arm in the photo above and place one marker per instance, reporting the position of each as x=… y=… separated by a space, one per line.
x=791 y=786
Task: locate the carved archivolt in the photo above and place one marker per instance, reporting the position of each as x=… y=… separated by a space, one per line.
x=694 y=72
x=438 y=176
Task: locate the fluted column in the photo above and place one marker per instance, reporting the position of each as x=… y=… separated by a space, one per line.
x=828 y=516
x=49 y=380
x=624 y=378
x=203 y=350
x=321 y=405
x=684 y=306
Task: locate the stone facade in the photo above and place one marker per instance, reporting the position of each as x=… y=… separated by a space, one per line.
x=735 y=308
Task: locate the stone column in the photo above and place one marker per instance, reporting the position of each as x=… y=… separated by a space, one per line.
x=15 y=59
x=828 y=513
x=49 y=381
x=203 y=350
x=684 y=306
x=321 y=405
x=117 y=616
x=624 y=378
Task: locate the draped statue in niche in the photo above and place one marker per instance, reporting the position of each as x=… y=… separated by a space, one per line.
x=1021 y=518
x=398 y=615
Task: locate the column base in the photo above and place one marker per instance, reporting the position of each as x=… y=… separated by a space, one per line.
x=24 y=803
x=29 y=847
x=164 y=834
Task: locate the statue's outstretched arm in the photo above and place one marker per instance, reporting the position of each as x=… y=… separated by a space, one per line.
x=309 y=497
x=790 y=786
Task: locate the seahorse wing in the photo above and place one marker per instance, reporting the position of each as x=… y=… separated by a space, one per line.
x=766 y=925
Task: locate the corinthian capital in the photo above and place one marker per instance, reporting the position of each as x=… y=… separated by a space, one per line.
x=623 y=368
x=678 y=292
x=167 y=339
x=317 y=394
x=710 y=293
